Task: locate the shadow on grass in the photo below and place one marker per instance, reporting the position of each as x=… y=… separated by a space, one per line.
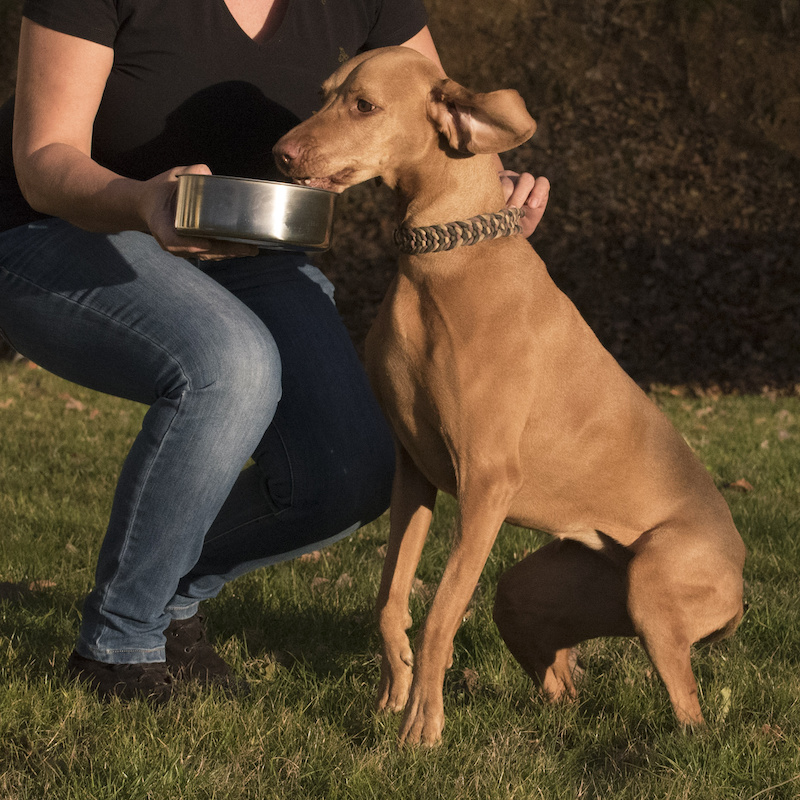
x=39 y=626
x=322 y=636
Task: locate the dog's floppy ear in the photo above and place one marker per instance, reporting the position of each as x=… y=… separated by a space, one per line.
x=479 y=123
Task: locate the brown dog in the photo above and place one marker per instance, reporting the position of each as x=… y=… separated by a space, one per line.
x=499 y=394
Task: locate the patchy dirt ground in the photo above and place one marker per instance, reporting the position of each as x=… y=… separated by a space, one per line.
x=671 y=134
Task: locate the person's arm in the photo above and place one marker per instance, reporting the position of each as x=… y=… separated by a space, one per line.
x=522 y=190
x=423 y=43
x=60 y=82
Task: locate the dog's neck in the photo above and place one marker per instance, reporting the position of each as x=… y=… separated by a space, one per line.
x=442 y=189
x=459 y=233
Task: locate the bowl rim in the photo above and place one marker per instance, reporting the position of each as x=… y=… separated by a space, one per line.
x=259 y=181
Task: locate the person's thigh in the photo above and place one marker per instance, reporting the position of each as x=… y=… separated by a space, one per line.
x=116 y=313
x=328 y=418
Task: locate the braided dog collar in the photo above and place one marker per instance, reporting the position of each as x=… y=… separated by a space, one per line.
x=436 y=238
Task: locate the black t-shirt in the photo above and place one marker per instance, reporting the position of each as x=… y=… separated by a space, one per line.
x=189 y=86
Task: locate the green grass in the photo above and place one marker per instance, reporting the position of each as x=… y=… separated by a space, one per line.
x=304 y=636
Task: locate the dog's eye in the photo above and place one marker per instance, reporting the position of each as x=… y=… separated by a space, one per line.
x=364 y=106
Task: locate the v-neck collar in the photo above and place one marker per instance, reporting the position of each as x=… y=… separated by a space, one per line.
x=258 y=42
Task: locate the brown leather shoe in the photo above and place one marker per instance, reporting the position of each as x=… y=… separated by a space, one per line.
x=190 y=656
x=150 y=681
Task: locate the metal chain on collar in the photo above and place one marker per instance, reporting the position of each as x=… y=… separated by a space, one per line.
x=436 y=238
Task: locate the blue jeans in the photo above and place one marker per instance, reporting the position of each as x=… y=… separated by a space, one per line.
x=238 y=358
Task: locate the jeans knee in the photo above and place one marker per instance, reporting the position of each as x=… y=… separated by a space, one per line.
x=252 y=368
x=236 y=365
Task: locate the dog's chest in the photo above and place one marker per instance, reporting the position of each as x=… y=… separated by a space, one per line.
x=413 y=369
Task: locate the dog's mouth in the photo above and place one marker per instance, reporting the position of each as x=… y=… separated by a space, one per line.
x=318 y=183
x=333 y=183
x=292 y=161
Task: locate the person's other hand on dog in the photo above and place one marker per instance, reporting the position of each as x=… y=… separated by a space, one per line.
x=526 y=192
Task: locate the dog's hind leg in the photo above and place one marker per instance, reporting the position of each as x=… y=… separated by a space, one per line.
x=684 y=585
x=413 y=498
x=560 y=595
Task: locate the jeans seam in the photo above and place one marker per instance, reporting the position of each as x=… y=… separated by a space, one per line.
x=260 y=518
x=132 y=650
x=132 y=518
x=276 y=512
x=291 y=473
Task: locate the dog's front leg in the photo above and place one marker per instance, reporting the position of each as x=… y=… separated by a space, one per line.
x=483 y=506
x=413 y=498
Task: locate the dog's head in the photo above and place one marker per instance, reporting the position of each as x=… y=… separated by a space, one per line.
x=385 y=110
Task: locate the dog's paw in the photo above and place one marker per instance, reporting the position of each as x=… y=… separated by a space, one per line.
x=558 y=683
x=394 y=688
x=423 y=722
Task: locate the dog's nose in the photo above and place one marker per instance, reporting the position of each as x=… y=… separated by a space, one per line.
x=285 y=153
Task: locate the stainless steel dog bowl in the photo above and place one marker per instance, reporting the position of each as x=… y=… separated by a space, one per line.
x=273 y=215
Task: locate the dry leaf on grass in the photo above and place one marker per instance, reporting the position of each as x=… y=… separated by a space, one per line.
x=16 y=591
x=71 y=403
x=742 y=485
x=470 y=680
x=773 y=731
x=344 y=581
x=425 y=591
x=41 y=585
